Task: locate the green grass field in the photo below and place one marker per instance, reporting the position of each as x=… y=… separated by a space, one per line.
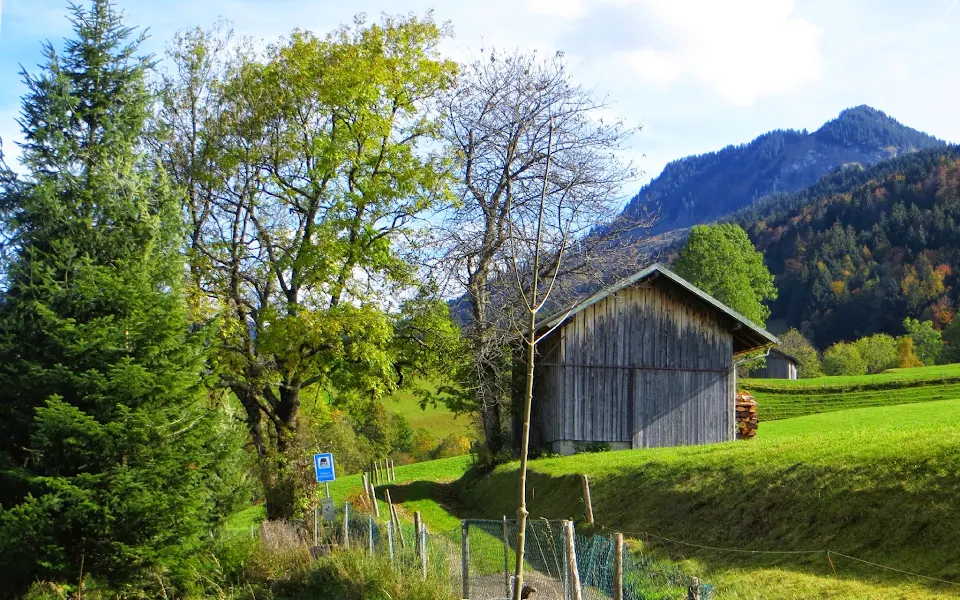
x=879 y=484
x=439 y=420
x=783 y=398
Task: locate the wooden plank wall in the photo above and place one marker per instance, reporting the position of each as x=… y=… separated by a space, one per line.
x=648 y=365
x=777 y=368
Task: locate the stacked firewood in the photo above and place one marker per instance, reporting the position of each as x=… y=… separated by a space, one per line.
x=746 y=416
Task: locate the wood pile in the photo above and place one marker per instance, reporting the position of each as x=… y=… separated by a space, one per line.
x=746 y=416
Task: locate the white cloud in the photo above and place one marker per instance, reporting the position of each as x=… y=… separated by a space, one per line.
x=564 y=9
x=740 y=49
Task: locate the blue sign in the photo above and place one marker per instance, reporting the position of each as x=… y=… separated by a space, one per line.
x=323 y=465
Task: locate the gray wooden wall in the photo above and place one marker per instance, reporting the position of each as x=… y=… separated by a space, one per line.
x=649 y=365
x=778 y=367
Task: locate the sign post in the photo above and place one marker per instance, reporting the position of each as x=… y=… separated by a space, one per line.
x=323 y=466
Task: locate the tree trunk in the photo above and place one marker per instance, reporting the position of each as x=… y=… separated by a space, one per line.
x=486 y=354
x=281 y=493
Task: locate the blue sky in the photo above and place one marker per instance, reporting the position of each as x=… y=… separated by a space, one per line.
x=695 y=74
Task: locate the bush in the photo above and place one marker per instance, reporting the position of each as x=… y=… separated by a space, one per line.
x=452 y=445
x=927 y=343
x=586 y=447
x=356 y=575
x=843 y=358
x=906 y=358
x=879 y=352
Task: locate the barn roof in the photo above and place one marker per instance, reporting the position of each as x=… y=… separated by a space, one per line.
x=747 y=336
x=789 y=357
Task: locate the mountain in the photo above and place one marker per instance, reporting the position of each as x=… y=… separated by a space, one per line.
x=861 y=249
x=704 y=188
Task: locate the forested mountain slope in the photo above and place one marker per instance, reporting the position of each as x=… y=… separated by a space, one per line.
x=700 y=189
x=860 y=250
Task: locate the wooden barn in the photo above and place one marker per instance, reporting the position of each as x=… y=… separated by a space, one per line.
x=646 y=362
x=780 y=365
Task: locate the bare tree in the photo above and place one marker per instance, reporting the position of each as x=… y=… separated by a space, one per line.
x=498 y=121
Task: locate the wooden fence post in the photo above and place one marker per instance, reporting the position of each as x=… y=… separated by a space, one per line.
x=417 y=524
x=465 y=558
x=571 y=552
x=366 y=485
x=693 y=592
x=316 y=526
x=423 y=549
x=586 y=499
x=506 y=558
x=618 y=566
x=373 y=499
x=393 y=516
x=390 y=538
x=373 y=472
x=346 y=525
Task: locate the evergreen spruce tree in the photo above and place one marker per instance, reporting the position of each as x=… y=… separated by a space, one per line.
x=108 y=454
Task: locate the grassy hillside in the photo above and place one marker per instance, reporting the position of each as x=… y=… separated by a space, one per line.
x=880 y=484
x=439 y=421
x=783 y=398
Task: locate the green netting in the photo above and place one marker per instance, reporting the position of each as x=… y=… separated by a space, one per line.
x=491 y=547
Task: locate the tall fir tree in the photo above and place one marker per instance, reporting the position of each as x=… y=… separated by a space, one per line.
x=109 y=454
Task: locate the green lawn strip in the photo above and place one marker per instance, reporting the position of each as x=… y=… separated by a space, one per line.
x=240 y=523
x=784 y=399
x=889 y=378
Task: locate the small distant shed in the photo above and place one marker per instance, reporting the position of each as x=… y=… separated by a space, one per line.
x=648 y=361
x=780 y=365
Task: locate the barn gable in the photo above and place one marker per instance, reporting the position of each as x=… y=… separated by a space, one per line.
x=645 y=362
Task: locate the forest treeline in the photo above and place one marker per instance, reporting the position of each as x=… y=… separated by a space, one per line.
x=863 y=249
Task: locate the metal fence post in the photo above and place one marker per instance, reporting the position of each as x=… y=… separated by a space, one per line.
x=390 y=539
x=465 y=558
x=370 y=531
x=346 y=525
x=618 y=566
x=417 y=525
x=423 y=549
x=571 y=551
x=506 y=558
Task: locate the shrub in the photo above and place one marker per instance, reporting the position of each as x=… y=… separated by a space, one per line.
x=452 y=445
x=905 y=356
x=879 y=352
x=843 y=358
x=927 y=343
x=356 y=575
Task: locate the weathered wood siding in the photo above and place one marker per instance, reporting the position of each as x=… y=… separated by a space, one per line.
x=649 y=365
x=778 y=367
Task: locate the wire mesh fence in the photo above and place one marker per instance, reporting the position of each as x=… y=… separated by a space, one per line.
x=476 y=561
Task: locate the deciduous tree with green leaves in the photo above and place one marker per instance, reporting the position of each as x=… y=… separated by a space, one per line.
x=110 y=449
x=306 y=168
x=843 y=358
x=721 y=260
